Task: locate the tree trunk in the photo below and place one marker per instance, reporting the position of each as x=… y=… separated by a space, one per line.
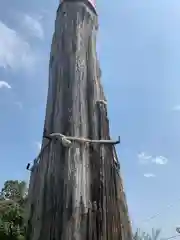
x=76 y=192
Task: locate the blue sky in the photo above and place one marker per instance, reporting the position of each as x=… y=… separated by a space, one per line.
x=139 y=51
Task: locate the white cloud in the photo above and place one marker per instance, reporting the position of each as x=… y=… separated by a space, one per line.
x=160 y=160
x=144 y=156
x=149 y=175
x=19 y=105
x=146 y=159
x=4 y=84
x=14 y=51
x=176 y=108
x=38 y=145
x=33 y=26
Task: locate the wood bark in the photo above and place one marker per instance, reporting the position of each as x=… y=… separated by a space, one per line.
x=76 y=193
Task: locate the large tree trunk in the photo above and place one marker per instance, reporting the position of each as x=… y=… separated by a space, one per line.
x=76 y=193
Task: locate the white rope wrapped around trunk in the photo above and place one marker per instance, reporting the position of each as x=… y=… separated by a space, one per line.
x=66 y=140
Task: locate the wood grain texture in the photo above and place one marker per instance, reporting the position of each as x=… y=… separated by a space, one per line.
x=76 y=193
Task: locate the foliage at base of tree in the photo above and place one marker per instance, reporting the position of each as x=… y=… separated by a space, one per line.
x=13 y=198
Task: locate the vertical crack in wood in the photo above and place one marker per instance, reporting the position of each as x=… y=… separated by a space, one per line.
x=75 y=193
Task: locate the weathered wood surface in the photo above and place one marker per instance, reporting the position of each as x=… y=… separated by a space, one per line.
x=76 y=193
